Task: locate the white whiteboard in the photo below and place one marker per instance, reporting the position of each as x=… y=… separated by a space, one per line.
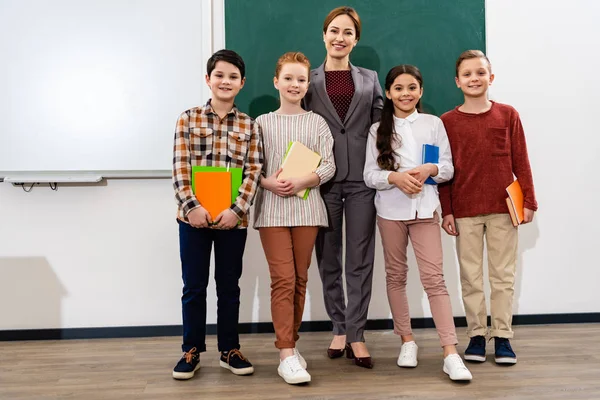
x=97 y=85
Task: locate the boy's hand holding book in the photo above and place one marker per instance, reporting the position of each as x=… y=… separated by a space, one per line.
x=519 y=214
x=527 y=215
x=226 y=220
x=199 y=218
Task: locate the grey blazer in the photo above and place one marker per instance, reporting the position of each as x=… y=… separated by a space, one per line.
x=351 y=134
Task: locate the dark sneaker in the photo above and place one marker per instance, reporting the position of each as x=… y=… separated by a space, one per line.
x=504 y=353
x=476 y=349
x=235 y=361
x=188 y=365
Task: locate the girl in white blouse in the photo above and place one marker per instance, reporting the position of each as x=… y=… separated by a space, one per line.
x=287 y=224
x=407 y=208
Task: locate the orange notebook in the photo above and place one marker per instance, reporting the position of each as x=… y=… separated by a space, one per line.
x=514 y=201
x=213 y=191
x=299 y=161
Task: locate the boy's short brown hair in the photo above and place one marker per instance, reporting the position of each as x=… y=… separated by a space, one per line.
x=470 y=54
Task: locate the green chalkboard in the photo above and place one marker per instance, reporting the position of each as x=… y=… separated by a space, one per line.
x=427 y=33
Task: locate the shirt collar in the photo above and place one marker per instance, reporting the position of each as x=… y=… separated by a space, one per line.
x=209 y=110
x=411 y=118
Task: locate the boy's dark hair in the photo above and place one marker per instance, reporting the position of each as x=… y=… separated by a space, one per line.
x=228 y=56
x=385 y=132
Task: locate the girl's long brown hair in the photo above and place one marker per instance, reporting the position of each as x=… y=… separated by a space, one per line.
x=386 y=140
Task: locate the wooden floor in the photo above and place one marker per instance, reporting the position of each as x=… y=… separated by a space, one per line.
x=555 y=362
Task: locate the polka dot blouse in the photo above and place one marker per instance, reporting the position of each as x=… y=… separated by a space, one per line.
x=340 y=88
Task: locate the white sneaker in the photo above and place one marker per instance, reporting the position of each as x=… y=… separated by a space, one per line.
x=408 y=355
x=292 y=372
x=300 y=358
x=456 y=369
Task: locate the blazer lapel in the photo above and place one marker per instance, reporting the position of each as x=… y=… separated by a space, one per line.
x=358 y=90
x=321 y=89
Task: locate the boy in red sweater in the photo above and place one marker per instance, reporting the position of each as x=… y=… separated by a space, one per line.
x=488 y=147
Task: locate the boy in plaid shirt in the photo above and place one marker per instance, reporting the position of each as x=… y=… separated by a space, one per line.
x=218 y=135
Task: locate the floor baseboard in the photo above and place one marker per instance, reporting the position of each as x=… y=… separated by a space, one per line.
x=266 y=327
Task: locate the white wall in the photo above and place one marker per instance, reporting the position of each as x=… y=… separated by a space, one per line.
x=546 y=64
x=107 y=255
x=104 y=80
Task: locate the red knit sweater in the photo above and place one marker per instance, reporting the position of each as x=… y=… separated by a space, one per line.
x=487 y=149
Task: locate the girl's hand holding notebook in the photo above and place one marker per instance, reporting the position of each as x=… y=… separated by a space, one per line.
x=298 y=165
x=282 y=188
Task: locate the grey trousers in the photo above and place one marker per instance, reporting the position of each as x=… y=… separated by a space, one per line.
x=356 y=201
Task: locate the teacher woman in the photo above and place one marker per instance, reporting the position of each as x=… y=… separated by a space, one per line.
x=350 y=99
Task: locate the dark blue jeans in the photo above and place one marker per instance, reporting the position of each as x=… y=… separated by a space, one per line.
x=195 y=245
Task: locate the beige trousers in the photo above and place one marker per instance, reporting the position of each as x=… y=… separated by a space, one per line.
x=501 y=239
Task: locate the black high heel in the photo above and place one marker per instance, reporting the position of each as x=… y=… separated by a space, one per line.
x=364 y=362
x=335 y=353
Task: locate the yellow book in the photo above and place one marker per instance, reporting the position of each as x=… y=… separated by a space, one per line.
x=299 y=161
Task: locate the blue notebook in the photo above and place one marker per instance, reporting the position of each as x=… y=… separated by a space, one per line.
x=431 y=154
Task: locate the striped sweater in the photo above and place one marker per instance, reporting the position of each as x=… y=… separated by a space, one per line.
x=278 y=131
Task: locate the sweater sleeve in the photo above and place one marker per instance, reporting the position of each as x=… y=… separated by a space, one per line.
x=445 y=192
x=520 y=162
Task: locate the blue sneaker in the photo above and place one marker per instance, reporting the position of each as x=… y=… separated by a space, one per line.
x=504 y=353
x=188 y=365
x=476 y=349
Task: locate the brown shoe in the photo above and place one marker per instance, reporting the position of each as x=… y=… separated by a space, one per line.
x=365 y=362
x=335 y=353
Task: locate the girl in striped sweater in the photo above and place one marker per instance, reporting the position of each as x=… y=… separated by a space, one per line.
x=288 y=224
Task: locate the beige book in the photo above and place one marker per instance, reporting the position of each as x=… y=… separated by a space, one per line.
x=299 y=161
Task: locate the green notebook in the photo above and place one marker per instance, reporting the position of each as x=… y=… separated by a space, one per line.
x=236 y=178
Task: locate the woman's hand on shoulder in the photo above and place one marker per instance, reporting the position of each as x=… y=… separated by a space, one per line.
x=283 y=188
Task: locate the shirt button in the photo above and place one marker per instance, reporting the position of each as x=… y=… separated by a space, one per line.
x=343 y=131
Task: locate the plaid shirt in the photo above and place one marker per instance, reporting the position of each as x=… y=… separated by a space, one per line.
x=204 y=139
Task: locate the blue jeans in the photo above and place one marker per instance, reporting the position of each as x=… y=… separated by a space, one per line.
x=195 y=245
